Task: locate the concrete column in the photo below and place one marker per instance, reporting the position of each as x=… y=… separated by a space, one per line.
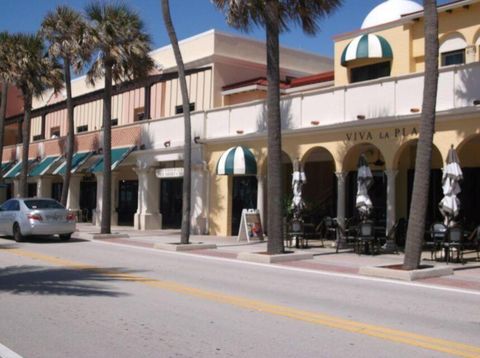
x=341 y=196
x=199 y=199
x=147 y=216
x=470 y=54
x=16 y=187
x=44 y=187
x=97 y=213
x=391 y=198
x=73 y=198
x=114 y=194
x=260 y=195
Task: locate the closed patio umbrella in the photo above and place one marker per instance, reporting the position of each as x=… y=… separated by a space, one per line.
x=298 y=179
x=452 y=174
x=364 y=182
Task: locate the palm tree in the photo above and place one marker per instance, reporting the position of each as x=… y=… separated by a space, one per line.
x=66 y=32
x=32 y=72
x=5 y=58
x=122 y=53
x=421 y=182
x=187 y=154
x=274 y=15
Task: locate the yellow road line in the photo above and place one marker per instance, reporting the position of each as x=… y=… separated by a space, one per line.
x=385 y=333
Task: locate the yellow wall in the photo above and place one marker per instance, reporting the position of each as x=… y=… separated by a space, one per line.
x=345 y=145
x=407 y=41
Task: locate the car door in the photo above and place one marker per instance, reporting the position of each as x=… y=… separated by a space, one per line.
x=4 y=213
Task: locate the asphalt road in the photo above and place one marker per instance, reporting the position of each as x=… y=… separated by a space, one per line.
x=91 y=299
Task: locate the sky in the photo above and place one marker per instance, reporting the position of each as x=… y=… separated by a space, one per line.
x=191 y=17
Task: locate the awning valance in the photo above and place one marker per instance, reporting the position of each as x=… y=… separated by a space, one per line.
x=42 y=167
x=77 y=160
x=118 y=156
x=367 y=46
x=237 y=161
x=16 y=169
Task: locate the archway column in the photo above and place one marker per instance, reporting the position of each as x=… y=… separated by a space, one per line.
x=391 y=198
x=260 y=196
x=341 y=197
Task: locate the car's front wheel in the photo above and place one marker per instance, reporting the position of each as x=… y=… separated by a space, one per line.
x=17 y=233
x=65 y=237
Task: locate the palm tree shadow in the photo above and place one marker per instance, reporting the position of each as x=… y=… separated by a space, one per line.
x=60 y=281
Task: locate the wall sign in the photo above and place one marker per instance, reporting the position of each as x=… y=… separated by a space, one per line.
x=250 y=226
x=381 y=134
x=169 y=173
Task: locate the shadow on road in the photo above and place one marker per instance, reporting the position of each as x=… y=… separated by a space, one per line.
x=38 y=280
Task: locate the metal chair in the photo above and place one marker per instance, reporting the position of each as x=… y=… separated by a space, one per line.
x=438 y=232
x=366 y=239
x=472 y=242
x=295 y=231
x=454 y=242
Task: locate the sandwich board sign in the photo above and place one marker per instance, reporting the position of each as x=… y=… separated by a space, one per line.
x=250 y=226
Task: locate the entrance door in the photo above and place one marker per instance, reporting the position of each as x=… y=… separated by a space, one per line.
x=244 y=197
x=88 y=199
x=127 y=201
x=32 y=190
x=171 y=202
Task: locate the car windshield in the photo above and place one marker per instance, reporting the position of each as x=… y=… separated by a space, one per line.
x=43 y=204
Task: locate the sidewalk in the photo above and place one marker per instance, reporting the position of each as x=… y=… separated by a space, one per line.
x=325 y=259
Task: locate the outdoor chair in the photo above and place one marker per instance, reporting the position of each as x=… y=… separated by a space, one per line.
x=472 y=242
x=436 y=238
x=295 y=231
x=345 y=237
x=329 y=226
x=366 y=240
x=312 y=232
x=454 y=243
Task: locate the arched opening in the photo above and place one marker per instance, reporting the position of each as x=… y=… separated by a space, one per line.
x=405 y=163
x=287 y=171
x=319 y=191
x=378 y=190
x=470 y=195
x=452 y=50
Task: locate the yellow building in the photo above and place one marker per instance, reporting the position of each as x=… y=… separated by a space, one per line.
x=370 y=105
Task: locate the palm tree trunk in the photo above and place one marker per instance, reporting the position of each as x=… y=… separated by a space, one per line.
x=274 y=132
x=70 y=134
x=23 y=189
x=3 y=114
x=421 y=182
x=185 y=235
x=107 y=153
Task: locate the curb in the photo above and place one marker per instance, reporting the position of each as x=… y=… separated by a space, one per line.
x=270 y=259
x=184 y=247
x=385 y=272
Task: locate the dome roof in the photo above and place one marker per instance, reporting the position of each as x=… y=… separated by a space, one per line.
x=390 y=10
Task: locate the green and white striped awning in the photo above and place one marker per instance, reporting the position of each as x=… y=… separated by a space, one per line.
x=367 y=46
x=237 y=161
x=77 y=160
x=118 y=156
x=42 y=167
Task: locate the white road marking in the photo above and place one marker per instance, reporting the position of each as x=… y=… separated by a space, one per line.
x=297 y=269
x=7 y=353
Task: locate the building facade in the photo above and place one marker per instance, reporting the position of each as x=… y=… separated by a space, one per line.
x=366 y=101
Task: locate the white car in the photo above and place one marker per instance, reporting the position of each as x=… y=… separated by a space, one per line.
x=20 y=217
